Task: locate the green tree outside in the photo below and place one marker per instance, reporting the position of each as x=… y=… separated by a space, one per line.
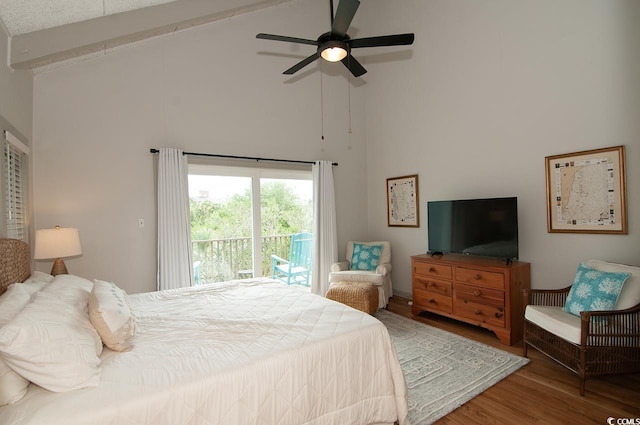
x=283 y=212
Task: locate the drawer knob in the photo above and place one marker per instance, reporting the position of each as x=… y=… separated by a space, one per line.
x=478 y=312
x=477 y=293
x=432 y=301
x=477 y=277
x=499 y=315
x=432 y=270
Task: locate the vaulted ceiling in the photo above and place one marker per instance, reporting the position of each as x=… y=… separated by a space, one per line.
x=43 y=32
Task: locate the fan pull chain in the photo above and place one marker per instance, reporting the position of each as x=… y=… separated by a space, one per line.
x=321 y=106
x=349 y=90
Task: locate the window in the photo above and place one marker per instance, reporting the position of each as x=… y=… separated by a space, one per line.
x=14 y=188
x=241 y=216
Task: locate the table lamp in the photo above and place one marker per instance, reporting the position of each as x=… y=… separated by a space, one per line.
x=58 y=243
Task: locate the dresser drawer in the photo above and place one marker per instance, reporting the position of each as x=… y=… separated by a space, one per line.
x=486 y=279
x=431 y=301
x=479 y=295
x=479 y=312
x=435 y=286
x=432 y=270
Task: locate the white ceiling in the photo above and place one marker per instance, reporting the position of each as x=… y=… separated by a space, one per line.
x=43 y=32
x=23 y=16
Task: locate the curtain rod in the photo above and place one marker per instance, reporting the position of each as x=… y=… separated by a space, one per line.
x=252 y=158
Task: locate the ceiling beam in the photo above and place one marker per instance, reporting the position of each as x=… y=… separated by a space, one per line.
x=65 y=42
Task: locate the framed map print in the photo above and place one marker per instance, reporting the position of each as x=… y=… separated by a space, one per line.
x=402 y=201
x=586 y=192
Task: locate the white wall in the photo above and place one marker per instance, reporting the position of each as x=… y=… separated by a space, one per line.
x=490 y=90
x=212 y=89
x=16 y=95
x=16 y=107
x=487 y=91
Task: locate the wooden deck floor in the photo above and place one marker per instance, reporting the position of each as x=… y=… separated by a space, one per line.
x=542 y=392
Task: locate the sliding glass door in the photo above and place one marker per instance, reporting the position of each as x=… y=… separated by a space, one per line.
x=241 y=217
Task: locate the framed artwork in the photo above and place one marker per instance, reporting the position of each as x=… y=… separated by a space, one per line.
x=402 y=201
x=586 y=192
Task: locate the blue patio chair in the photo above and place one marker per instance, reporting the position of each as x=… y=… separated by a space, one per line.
x=196 y=273
x=296 y=270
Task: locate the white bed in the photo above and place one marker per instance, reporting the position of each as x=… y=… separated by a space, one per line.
x=242 y=352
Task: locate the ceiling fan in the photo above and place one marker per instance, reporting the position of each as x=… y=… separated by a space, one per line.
x=336 y=45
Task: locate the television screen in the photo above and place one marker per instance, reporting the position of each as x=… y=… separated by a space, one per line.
x=483 y=227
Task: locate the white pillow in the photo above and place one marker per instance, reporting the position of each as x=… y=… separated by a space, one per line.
x=110 y=314
x=12 y=302
x=51 y=341
x=37 y=276
x=630 y=293
x=36 y=282
x=12 y=386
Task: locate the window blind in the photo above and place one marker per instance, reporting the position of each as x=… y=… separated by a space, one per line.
x=15 y=156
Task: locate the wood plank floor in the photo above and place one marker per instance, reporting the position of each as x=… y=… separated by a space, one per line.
x=542 y=392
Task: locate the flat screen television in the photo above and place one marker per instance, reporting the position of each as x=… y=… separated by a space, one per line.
x=479 y=227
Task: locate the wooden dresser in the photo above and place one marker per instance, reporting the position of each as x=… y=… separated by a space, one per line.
x=477 y=290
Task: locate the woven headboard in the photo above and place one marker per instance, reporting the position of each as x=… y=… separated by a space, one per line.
x=15 y=264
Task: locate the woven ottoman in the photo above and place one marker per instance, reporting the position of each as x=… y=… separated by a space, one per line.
x=359 y=295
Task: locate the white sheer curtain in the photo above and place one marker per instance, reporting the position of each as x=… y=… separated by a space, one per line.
x=175 y=268
x=325 y=251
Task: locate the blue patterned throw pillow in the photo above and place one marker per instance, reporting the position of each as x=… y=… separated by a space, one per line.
x=365 y=257
x=594 y=290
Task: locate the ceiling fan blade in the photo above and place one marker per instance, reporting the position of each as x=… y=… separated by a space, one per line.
x=297 y=67
x=288 y=39
x=344 y=15
x=354 y=66
x=331 y=11
x=384 y=40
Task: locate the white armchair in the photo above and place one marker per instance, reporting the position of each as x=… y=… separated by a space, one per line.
x=377 y=274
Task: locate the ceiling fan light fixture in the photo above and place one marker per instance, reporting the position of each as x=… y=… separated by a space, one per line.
x=333 y=54
x=334 y=50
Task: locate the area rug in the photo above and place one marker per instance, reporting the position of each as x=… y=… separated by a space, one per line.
x=443 y=370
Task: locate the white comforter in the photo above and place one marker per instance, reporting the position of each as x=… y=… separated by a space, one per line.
x=242 y=352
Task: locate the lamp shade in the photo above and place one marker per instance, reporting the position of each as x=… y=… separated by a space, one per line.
x=59 y=242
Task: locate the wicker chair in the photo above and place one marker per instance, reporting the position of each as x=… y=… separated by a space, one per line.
x=608 y=341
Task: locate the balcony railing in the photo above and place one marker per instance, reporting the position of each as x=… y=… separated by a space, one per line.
x=219 y=260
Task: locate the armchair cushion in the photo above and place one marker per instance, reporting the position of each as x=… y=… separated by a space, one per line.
x=630 y=293
x=594 y=290
x=365 y=256
x=555 y=320
x=357 y=276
